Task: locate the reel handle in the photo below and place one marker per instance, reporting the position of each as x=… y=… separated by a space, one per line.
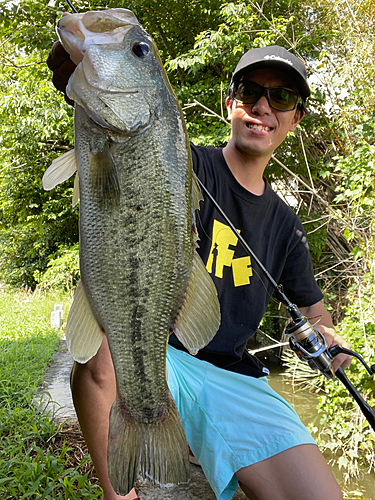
x=366 y=409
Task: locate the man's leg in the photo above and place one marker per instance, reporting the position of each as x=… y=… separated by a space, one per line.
x=94 y=390
x=299 y=473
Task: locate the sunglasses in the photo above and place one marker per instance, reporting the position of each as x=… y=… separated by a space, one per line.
x=279 y=98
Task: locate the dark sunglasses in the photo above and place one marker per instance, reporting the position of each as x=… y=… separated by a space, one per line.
x=279 y=98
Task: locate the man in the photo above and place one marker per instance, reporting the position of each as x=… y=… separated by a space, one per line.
x=237 y=427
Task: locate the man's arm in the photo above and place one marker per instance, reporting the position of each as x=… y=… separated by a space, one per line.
x=321 y=319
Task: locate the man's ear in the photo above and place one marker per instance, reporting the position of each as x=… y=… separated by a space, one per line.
x=229 y=104
x=298 y=115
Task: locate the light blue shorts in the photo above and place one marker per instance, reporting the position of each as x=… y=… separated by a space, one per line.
x=230 y=420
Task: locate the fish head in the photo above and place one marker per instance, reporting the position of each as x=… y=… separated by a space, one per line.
x=119 y=79
x=77 y=32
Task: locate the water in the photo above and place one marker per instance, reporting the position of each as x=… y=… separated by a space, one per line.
x=305 y=405
x=57 y=385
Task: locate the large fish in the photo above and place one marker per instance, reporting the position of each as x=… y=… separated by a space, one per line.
x=141 y=276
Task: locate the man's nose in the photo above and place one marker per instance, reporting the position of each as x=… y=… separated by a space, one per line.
x=262 y=105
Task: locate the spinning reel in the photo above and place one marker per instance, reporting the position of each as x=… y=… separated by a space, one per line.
x=305 y=340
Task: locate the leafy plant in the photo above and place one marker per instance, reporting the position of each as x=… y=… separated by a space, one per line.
x=31 y=466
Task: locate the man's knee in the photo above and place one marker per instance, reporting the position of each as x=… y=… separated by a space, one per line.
x=98 y=370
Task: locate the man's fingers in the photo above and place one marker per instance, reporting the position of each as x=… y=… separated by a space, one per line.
x=62 y=67
x=342 y=360
x=62 y=74
x=57 y=56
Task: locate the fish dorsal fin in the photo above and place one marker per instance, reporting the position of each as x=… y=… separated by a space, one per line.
x=196 y=194
x=199 y=316
x=196 y=197
x=83 y=334
x=60 y=170
x=104 y=174
x=75 y=197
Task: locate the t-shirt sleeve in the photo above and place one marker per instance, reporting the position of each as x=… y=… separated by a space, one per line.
x=297 y=277
x=198 y=164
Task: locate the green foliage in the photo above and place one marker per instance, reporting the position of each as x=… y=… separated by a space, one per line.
x=36 y=126
x=346 y=433
x=62 y=270
x=30 y=466
x=325 y=168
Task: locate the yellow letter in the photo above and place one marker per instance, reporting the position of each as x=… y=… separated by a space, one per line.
x=220 y=254
x=242 y=271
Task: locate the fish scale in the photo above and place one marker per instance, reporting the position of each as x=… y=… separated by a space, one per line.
x=151 y=278
x=141 y=277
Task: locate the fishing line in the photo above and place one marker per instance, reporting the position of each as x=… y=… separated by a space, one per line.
x=240 y=238
x=258 y=275
x=72 y=6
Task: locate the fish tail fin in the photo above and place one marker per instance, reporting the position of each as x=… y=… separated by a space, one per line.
x=156 y=451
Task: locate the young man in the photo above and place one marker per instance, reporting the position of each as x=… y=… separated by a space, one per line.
x=237 y=427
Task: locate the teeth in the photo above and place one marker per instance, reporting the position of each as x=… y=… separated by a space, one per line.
x=258 y=127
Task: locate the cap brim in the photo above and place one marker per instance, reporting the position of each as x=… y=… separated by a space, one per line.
x=298 y=80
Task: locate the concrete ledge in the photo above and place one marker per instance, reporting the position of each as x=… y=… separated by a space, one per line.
x=198 y=488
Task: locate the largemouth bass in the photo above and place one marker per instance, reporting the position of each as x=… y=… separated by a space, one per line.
x=141 y=276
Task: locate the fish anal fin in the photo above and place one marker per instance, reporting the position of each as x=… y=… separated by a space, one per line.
x=83 y=334
x=199 y=317
x=104 y=174
x=60 y=170
x=158 y=450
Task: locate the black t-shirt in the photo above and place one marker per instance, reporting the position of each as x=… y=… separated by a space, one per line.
x=277 y=238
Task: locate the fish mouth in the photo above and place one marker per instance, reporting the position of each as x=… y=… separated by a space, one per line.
x=96 y=21
x=78 y=32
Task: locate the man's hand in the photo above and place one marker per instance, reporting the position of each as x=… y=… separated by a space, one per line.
x=326 y=328
x=62 y=67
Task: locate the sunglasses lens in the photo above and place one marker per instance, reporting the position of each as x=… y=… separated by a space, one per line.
x=248 y=93
x=282 y=99
x=279 y=98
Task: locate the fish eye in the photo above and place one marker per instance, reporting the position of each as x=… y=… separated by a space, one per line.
x=141 y=49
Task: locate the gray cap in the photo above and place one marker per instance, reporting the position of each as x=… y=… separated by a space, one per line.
x=275 y=57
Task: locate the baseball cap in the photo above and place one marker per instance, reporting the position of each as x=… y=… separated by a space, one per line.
x=275 y=57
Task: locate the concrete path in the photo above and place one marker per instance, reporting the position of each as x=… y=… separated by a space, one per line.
x=54 y=395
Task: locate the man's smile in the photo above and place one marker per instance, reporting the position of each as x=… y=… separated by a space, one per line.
x=259 y=127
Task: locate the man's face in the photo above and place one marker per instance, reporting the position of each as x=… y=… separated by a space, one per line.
x=258 y=129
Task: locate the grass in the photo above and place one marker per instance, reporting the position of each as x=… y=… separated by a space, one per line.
x=36 y=461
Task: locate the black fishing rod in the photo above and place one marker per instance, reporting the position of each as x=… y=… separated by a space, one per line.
x=72 y=6
x=305 y=340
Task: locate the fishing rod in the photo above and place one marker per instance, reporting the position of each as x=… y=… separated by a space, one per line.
x=72 y=6
x=305 y=340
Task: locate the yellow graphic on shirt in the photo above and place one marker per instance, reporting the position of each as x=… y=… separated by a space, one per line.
x=221 y=254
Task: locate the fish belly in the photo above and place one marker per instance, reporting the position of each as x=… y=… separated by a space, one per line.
x=135 y=258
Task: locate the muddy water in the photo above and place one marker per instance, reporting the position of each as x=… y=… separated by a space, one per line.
x=305 y=405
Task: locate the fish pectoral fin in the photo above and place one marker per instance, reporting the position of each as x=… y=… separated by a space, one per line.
x=199 y=316
x=104 y=174
x=75 y=197
x=83 y=334
x=60 y=170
